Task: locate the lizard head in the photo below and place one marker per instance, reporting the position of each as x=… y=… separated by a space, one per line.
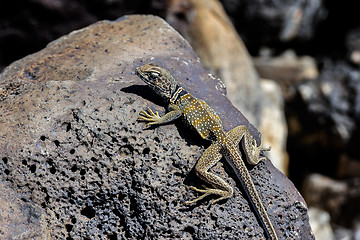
x=159 y=79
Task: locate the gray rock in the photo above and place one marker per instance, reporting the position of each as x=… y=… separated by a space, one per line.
x=340 y=198
x=20 y=219
x=70 y=142
x=320 y=223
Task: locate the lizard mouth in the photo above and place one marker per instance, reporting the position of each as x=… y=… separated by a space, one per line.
x=142 y=75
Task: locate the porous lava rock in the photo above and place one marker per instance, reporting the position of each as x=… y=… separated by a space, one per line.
x=71 y=146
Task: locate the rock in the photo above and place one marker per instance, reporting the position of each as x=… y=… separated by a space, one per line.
x=273 y=129
x=343 y=233
x=320 y=224
x=25 y=31
x=224 y=54
x=339 y=198
x=80 y=154
x=334 y=97
x=323 y=120
x=353 y=45
x=20 y=219
x=276 y=20
x=348 y=167
x=288 y=70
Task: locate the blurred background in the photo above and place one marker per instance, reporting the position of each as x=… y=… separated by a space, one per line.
x=291 y=67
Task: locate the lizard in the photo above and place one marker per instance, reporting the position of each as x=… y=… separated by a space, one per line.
x=198 y=114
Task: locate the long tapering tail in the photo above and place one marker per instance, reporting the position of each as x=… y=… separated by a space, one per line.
x=237 y=164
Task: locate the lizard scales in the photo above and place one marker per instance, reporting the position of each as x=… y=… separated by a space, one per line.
x=203 y=118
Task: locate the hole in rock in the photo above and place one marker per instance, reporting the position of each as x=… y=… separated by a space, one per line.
x=52 y=170
x=33 y=168
x=88 y=212
x=68 y=227
x=74 y=168
x=146 y=150
x=57 y=143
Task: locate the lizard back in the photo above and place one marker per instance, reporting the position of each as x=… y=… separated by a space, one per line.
x=200 y=116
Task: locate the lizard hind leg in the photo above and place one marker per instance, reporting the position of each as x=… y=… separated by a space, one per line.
x=211 y=191
x=236 y=134
x=221 y=188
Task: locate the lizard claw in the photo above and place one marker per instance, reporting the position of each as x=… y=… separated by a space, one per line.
x=199 y=198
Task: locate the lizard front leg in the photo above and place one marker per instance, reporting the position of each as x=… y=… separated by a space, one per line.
x=154 y=118
x=221 y=188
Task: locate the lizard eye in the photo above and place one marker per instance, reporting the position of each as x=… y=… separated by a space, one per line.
x=154 y=75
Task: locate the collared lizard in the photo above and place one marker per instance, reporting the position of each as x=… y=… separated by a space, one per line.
x=203 y=118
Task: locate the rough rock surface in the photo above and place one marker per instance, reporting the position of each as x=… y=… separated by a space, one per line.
x=70 y=143
x=20 y=218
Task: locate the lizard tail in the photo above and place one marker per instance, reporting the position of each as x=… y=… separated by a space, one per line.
x=238 y=166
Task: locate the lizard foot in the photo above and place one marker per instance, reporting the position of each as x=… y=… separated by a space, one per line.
x=150 y=117
x=266 y=150
x=209 y=191
x=253 y=151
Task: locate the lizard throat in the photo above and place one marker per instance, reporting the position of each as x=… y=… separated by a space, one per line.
x=177 y=94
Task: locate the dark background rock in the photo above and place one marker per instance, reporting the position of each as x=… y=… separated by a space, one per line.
x=27 y=26
x=278 y=20
x=338 y=198
x=327 y=111
x=321 y=31
x=82 y=157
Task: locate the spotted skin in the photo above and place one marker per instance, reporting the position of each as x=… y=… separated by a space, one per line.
x=207 y=123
